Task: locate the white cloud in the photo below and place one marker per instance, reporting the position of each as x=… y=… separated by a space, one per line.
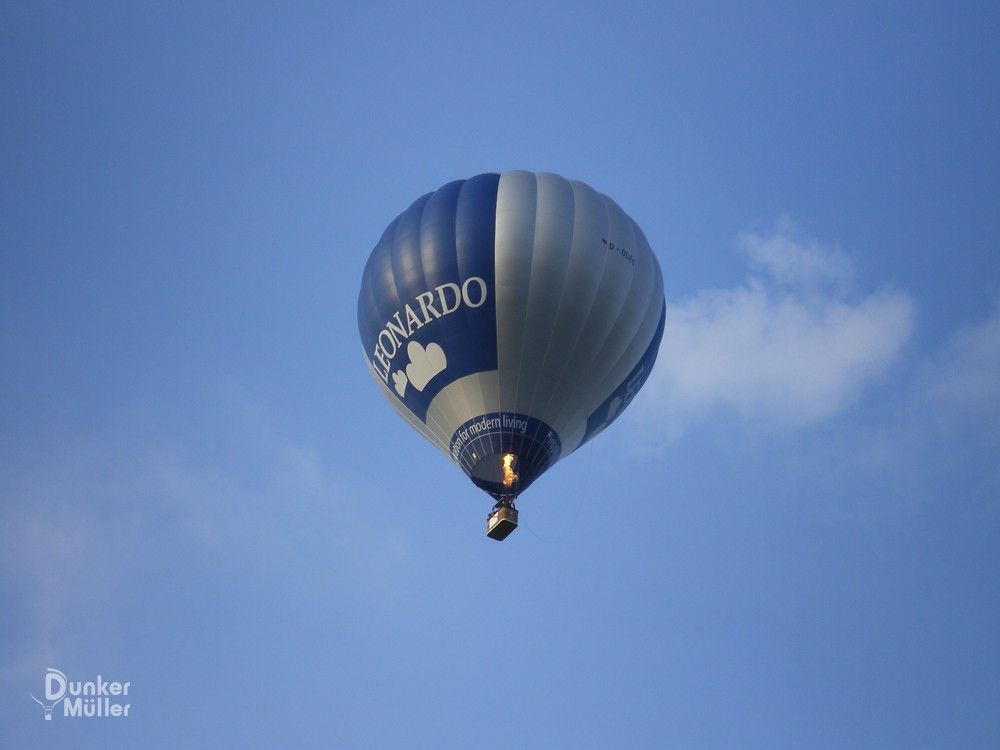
x=936 y=439
x=87 y=523
x=949 y=423
x=964 y=378
x=58 y=554
x=788 y=347
x=790 y=258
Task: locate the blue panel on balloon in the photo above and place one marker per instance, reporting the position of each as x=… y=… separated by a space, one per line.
x=622 y=396
x=427 y=309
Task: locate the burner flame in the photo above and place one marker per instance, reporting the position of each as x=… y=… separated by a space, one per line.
x=509 y=477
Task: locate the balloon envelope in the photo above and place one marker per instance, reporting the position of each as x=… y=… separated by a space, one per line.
x=511 y=315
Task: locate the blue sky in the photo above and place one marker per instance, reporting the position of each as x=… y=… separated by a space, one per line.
x=791 y=540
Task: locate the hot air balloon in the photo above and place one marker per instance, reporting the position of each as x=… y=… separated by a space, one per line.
x=510 y=318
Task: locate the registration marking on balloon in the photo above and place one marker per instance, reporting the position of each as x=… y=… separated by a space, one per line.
x=613 y=248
